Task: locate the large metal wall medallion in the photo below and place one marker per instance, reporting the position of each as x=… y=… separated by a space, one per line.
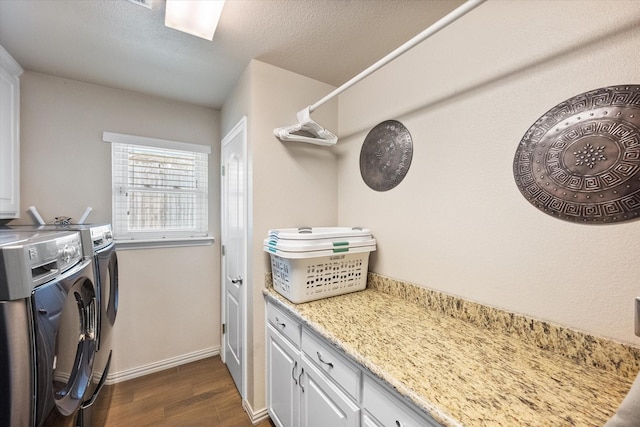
x=386 y=155
x=581 y=160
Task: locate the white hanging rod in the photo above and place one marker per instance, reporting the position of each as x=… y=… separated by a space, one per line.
x=434 y=28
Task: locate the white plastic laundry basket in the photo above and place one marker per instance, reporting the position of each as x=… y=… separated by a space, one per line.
x=313 y=263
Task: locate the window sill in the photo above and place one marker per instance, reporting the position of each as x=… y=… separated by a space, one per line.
x=125 y=245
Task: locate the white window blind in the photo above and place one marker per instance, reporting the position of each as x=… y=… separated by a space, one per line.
x=159 y=188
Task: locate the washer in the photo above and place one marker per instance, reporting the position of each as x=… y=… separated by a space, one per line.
x=48 y=325
x=99 y=238
x=97 y=244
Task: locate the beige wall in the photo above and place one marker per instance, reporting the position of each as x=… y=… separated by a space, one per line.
x=458 y=223
x=169 y=298
x=293 y=184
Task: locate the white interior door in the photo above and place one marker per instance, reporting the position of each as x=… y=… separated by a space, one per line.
x=234 y=251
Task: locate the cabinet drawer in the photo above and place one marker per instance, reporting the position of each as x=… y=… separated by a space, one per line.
x=284 y=323
x=388 y=410
x=333 y=364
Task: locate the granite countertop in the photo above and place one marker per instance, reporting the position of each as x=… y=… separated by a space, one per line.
x=461 y=373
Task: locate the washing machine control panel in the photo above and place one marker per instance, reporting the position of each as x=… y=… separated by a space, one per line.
x=101 y=236
x=31 y=258
x=57 y=250
x=69 y=251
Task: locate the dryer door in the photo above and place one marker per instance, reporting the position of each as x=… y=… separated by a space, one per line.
x=65 y=320
x=108 y=278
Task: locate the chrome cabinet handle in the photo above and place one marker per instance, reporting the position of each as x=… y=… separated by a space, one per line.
x=237 y=280
x=293 y=372
x=279 y=323
x=300 y=380
x=322 y=361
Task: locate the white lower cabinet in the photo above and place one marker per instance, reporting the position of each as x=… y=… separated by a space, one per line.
x=312 y=384
x=323 y=404
x=383 y=408
x=299 y=394
x=282 y=381
x=367 y=421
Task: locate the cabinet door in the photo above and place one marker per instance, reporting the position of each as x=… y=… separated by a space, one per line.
x=9 y=145
x=283 y=371
x=331 y=363
x=367 y=421
x=322 y=402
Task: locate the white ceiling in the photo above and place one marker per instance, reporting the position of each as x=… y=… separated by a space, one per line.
x=123 y=45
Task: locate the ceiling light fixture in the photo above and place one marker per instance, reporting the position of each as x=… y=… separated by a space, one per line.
x=195 y=17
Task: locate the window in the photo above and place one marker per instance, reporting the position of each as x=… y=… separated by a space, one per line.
x=159 y=190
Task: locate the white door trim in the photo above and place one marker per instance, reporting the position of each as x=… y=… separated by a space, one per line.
x=239 y=128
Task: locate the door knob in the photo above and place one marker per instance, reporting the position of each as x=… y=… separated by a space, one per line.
x=237 y=280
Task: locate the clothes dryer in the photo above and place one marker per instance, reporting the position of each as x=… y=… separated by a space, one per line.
x=97 y=244
x=48 y=323
x=94 y=410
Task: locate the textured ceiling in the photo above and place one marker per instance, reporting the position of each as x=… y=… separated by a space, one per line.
x=120 y=44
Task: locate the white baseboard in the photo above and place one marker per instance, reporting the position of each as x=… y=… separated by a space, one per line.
x=139 y=371
x=255 y=416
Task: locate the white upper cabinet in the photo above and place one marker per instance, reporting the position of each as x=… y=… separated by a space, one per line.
x=10 y=72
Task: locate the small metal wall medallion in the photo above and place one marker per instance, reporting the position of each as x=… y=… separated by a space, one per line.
x=580 y=161
x=386 y=155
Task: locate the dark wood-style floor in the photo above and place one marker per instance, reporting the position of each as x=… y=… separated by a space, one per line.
x=201 y=393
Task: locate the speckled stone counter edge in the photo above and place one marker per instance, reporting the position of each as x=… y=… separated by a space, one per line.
x=582 y=348
x=577 y=346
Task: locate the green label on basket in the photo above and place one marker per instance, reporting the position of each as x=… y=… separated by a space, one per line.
x=336 y=250
x=340 y=243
